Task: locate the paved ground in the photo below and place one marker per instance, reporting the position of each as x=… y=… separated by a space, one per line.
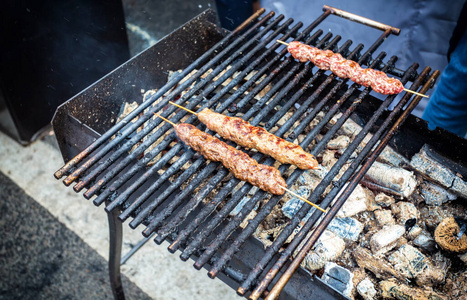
x=54 y=243
x=42 y=259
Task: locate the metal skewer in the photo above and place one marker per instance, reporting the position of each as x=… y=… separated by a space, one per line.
x=407 y=90
x=286 y=189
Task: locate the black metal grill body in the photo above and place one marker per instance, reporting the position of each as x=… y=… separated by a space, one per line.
x=91 y=113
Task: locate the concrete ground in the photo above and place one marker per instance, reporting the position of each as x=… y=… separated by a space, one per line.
x=53 y=242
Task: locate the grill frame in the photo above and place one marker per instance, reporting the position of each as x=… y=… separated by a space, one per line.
x=65 y=124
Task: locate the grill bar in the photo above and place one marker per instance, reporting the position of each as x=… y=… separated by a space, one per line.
x=229 y=79
x=220 y=264
x=227 y=41
x=250 y=205
x=162 y=234
x=227 y=189
x=322 y=186
x=149 y=127
x=356 y=179
x=178 y=116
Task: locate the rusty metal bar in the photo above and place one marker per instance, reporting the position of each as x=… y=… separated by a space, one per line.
x=240 y=240
x=148 y=128
x=356 y=178
x=172 y=224
x=226 y=41
x=361 y=20
x=122 y=197
x=149 y=156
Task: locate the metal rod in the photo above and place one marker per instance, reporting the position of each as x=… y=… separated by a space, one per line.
x=154 y=186
x=134 y=249
x=347 y=191
x=226 y=256
x=224 y=42
x=162 y=130
x=209 y=208
x=361 y=20
x=232 y=224
x=148 y=128
x=322 y=186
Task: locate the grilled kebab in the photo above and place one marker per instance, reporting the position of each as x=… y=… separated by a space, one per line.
x=239 y=163
x=249 y=136
x=344 y=68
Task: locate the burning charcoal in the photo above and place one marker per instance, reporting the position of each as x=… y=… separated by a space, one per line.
x=447 y=236
x=434 y=194
x=408 y=261
x=433 y=215
x=328 y=248
x=240 y=205
x=392 y=180
x=384 y=217
x=405 y=211
x=463 y=257
x=378 y=266
x=411 y=263
x=356 y=203
x=346 y=228
x=338 y=277
x=384 y=200
x=366 y=289
x=435 y=171
x=291 y=207
x=426 y=242
x=340 y=142
x=410 y=223
x=386 y=239
x=329 y=158
x=388 y=156
x=414 y=232
x=393 y=290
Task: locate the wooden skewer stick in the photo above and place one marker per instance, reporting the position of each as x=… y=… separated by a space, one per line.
x=286 y=189
x=188 y=110
x=303 y=199
x=407 y=90
x=168 y=121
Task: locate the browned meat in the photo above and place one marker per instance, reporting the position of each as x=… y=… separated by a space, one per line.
x=246 y=135
x=239 y=163
x=327 y=60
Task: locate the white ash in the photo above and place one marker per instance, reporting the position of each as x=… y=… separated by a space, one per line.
x=404 y=211
x=384 y=200
x=434 y=194
x=391 y=289
x=463 y=257
x=366 y=289
x=384 y=217
x=346 y=228
x=386 y=239
x=408 y=261
x=338 y=277
x=356 y=203
x=328 y=248
x=425 y=241
x=397 y=180
x=434 y=171
x=340 y=142
x=414 y=232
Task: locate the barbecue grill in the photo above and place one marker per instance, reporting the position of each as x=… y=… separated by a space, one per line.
x=190 y=206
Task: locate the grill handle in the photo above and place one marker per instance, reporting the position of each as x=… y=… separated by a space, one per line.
x=360 y=19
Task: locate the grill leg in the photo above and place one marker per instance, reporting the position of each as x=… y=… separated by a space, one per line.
x=115 y=254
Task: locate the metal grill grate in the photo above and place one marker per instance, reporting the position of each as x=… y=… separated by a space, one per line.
x=110 y=170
